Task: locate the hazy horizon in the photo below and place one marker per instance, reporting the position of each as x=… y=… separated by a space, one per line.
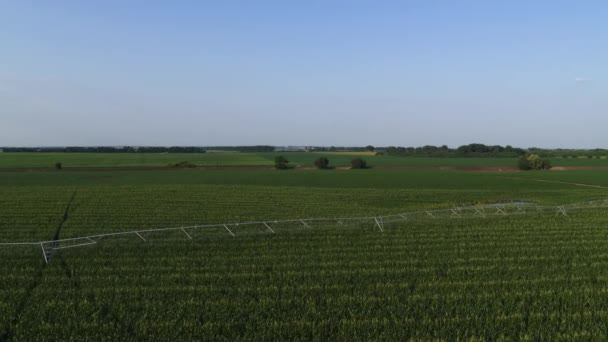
x=295 y=146
x=314 y=73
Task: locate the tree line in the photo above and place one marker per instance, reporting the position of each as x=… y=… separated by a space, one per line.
x=470 y=150
x=140 y=149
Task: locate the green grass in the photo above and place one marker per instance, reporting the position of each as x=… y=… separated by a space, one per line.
x=538 y=276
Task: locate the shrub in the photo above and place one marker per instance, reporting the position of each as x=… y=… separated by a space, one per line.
x=58 y=166
x=523 y=163
x=182 y=164
x=358 y=163
x=280 y=163
x=322 y=163
x=533 y=162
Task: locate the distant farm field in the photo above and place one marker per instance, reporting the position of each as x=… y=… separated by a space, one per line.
x=48 y=160
x=235 y=159
x=364 y=153
x=307 y=159
x=579 y=161
x=344 y=159
x=588 y=177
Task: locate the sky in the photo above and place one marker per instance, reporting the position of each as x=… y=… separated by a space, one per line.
x=330 y=72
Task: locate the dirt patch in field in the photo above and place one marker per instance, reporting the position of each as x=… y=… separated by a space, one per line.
x=578 y=168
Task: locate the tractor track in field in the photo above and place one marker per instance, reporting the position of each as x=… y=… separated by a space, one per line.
x=561 y=182
x=8 y=327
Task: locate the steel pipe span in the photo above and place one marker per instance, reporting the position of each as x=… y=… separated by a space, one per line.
x=476 y=211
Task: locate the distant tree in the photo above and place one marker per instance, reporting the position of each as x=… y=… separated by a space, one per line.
x=370 y=148
x=58 y=166
x=523 y=163
x=358 y=163
x=539 y=163
x=280 y=163
x=533 y=162
x=519 y=151
x=322 y=163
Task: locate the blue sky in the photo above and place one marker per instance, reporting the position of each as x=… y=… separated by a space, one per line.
x=407 y=73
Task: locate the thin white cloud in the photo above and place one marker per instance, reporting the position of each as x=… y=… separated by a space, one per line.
x=582 y=80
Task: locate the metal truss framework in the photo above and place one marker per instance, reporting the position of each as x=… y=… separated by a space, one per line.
x=49 y=247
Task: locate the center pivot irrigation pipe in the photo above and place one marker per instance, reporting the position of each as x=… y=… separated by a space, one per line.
x=50 y=246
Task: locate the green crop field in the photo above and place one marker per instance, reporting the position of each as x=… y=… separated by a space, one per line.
x=537 y=275
x=48 y=160
x=580 y=161
x=343 y=159
x=598 y=178
x=305 y=159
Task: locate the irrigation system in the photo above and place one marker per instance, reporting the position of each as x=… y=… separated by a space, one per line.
x=49 y=247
